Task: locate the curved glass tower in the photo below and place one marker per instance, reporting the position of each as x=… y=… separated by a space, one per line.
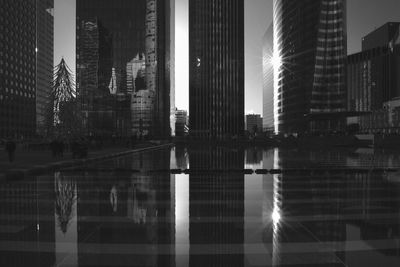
x=310 y=65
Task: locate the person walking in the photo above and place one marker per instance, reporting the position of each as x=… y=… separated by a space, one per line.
x=11 y=147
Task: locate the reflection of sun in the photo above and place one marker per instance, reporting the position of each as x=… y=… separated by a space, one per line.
x=276 y=216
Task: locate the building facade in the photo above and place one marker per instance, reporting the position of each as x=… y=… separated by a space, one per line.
x=45 y=58
x=18 y=68
x=114 y=40
x=181 y=122
x=372 y=78
x=216 y=68
x=310 y=67
x=382 y=37
x=254 y=123
x=268 y=80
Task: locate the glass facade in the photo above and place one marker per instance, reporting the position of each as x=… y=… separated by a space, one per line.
x=216 y=68
x=44 y=73
x=268 y=80
x=371 y=79
x=122 y=50
x=17 y=68
x=310 y=41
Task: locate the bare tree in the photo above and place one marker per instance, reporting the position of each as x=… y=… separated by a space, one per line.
x=64 y=116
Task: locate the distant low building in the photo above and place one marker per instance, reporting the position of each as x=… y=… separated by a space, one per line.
x=385 y=120
x=254 y=123
x=181 y=122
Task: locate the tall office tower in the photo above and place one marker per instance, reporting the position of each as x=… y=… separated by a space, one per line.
x=216 y=71
x=17 y=68
x=44 y=71
x=268 y=80
x=122 y=55
x=310 y=65
x=172 y=67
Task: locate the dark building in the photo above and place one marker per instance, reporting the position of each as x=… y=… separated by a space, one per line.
x=17 y=68
x=44 y=71
x=372 y=77
x=373 y=80
x=268 y=79
x=382 y=36
x=216 y=71
x=310 y=66
x=111 y=35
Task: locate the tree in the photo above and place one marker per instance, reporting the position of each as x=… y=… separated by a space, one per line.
x=64 y=116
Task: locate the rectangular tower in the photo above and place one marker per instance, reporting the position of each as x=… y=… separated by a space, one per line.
x=310 y=47
x=17 y=68
x=216 y=70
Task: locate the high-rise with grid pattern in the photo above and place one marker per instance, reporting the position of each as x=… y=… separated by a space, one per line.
x=216 y=71
x=310 y=77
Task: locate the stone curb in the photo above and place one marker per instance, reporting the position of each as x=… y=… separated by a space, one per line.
x=54 y=166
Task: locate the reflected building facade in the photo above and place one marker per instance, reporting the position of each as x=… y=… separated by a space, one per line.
x=216 y=68
x=27 y=221
x=310 y=76
x=216 y=204
x=138 y=208
x=122 y=58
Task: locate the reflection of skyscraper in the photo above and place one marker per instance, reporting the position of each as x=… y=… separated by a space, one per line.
x=216 y=71
x=216 y=204
x=133 y=28
x=310 y=47
x=133 y=209
x=26 y=221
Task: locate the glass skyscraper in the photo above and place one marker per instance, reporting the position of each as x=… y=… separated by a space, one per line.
x=216 y=70
x=18 y=68
x=310 y=70
x=268 y=80
x=122 y=56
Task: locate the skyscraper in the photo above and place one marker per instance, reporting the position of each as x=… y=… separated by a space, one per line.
x=268 y=80
x=44 y=71
x=310 y=65
x=112 y=37
x=216 y=71
x=17 y=68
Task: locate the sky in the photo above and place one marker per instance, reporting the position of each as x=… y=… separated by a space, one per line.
x=363 y=16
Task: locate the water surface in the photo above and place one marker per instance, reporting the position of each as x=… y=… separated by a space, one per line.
x=122 y=212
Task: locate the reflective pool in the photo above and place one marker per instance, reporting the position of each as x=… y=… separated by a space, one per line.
x=132 y=211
